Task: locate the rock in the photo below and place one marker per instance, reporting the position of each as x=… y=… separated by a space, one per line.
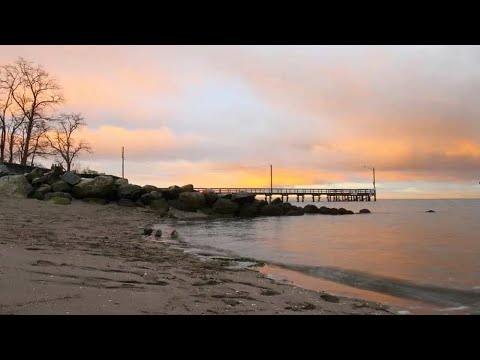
x=271 y=210
x=342 y=211
x=52 y=177
x=324 y=210
x=349 y=212
x=277 y=201
x=172 y=192
x=148 y=230
x=174 y=234
x=192 y=201
x=159 y=204
x=146 y=198
x=65 y=195
x=4 y=170
x=210 y=196
x=187 y=188
x=333 y=211
x=61 y=186
x=243 y=197
x=15 y=186
x=43 y=189
x=225 y=206
x=184 y=215
x=158 y=233
x=286 y=207
x=100 y=187
x=97 y=201
x=156 y=195
x=310 y=209
x=131 y=192
x=60 y=200
x=38 y=181
x=295 y=212
x=139 y=203
x=330 y=298
x=126 y=202
x=35 y=173
x=262 y=203
x=177 y=204
x=364 y=211
x=121 y=182
x=148 y=189
x=249 y=210
x=430 y=211
x=71 y=178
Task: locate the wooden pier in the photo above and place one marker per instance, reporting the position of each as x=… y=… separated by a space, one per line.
x=329 y=194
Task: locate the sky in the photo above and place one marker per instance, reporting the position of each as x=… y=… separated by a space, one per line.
x=321 y=115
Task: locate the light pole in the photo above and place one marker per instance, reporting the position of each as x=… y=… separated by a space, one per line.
x=123 y=161
x=374 y=188
x=271 y=182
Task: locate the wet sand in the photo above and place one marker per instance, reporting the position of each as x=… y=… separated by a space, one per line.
x=94 y=259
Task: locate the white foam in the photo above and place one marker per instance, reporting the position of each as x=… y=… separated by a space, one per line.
x=454 y=308
x=404 y=312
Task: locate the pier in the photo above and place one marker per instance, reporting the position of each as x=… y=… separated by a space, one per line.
x=316 y=194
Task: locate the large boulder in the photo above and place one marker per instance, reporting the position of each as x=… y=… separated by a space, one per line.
x=61 y=186
x=172 y=192
x=249 y=210
x=146 y=199
x=35 y=173
x=277 y=201
x=65 y=195
x=324 y=210
x=121 y=182
x=295 y=212
x=334 y=211
x=187 y=188
x=192 y=200
x=41 y=191
x=286 y=206
x=52 y=177
x=225 y=206
x=155 y=194
x=159 y=205
x=210 y=196
x=15 y=185
x=148 y=189
x=310 y=209
x=4 y=170
x=342 y=211
x=100 y=187
x=243 y=197
x=71 y=178
x=364 y=211
x=129 y=191
x=271 y=210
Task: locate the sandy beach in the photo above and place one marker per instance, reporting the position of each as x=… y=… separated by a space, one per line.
x=94 y=259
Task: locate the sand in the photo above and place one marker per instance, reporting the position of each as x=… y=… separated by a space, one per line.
x=94 y=259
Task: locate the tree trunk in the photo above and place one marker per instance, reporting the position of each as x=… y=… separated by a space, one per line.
x=24 y=157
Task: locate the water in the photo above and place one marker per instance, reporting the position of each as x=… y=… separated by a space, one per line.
x=424 y=263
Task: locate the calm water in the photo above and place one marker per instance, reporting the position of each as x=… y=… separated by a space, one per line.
x=426 y=263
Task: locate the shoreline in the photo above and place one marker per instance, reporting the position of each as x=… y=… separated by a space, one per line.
x=93 y=259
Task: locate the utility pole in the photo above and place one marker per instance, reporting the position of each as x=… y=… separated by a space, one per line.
x=271 y=182
x=374 y=189
x=123 y=161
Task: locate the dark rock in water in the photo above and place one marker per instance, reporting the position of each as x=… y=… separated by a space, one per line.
x=286 y=207
x=225 y=206
x=310 y=209
x=295 y=212
x=159 y=204
x=131 y=192
x=210 y=196
x=148 y=189
x=148 y=230
x=277 y=201
x=174 y=234
x=71 y=178
x=187 y=188
x=60 y=200
x=249 y=210
x=126 y=202
x=243 y=197
x=271 y=210
x=100 y=187
x=97 y=201
x=61 y=186
x=349 y=212
x=330 y=298
x=430 y=211
x=342 y=211
x=172 y=192
x=334 y=211
x=324 y=210
x=158 y=233
x=192 y=201
x=146 y=198
x=262 y=203
x=50 y=195
x=121 y=182
x=364 y=211
x=35 y=173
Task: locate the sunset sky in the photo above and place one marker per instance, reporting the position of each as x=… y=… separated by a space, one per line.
x=219 y=115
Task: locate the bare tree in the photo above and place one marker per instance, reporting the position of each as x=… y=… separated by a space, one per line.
x=8 y=84
x=35 y=93
x=62 y=142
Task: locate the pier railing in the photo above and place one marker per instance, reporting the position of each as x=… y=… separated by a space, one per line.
x=293 y=191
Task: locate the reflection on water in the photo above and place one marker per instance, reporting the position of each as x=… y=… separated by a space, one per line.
x=398 y=255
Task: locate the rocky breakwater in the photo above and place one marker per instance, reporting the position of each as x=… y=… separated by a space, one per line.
x=181 y=202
